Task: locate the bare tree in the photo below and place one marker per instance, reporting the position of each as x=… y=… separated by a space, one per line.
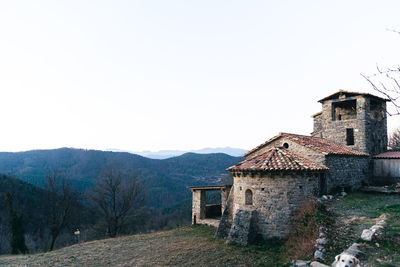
x=394 y=139
x=387 y=82
x=62 y=204
x=117 y=196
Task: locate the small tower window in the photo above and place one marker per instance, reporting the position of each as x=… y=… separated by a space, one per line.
x=344 y=110
x=350 y=136
x=248 y=197
x=285 y=145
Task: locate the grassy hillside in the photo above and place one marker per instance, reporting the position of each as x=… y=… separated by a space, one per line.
x=179 y=247
x=166 y=180
x=195 y=245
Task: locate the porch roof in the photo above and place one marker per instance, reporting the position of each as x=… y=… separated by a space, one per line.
x=210 y=187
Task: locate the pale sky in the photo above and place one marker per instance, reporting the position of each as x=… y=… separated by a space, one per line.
x=153 y=75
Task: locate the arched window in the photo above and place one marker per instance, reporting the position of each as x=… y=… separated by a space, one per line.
x=248 y=197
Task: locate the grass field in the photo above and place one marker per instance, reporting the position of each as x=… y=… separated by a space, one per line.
x=191 y=245
x=358 y=211
x=195 y=245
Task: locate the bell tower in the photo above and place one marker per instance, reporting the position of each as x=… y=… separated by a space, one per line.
x=357 y=120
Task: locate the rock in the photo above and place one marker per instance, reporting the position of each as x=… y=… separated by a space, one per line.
x=240 y=232
x=344 y=194
x=324 y=197
x=353 y=250
x=317 y=264
x=373 y=233
x=318 y=255
x=367 y=234
x=321 y=241
x=300 y=263
x=381 y=220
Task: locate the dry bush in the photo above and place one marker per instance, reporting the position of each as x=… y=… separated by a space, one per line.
x=394 y=139
x=300 y=244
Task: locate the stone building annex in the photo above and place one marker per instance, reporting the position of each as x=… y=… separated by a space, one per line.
x=276 y=176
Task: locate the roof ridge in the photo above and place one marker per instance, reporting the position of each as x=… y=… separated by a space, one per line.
x=278 y=159
x=319 y=144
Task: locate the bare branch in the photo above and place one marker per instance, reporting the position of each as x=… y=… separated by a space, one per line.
x=117 y=197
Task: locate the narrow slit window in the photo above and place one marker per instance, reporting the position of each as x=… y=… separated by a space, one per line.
x=249 y=197
x=350 y=136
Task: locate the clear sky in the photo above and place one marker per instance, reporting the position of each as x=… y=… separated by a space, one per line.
x=152 y=75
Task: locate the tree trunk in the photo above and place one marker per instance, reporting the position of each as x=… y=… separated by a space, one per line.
x=53 y=240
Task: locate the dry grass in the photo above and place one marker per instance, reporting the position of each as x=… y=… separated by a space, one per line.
x=183 y=246
x=300 y=244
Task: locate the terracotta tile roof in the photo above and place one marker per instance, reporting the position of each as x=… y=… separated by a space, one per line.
x=389 y=155
x=277 y=159
x=321 y=145
x=335 y=95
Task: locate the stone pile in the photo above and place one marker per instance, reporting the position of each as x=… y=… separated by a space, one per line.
x=320 y=244
x=375 y=233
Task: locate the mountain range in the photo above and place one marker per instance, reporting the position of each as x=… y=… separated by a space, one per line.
x=164 y=154
x=166 y=180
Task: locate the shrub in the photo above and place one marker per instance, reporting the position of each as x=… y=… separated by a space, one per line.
x=306 y=222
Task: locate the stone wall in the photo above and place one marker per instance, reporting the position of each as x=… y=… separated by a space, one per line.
x=198 y=205
x=276 y=198
x=348 y=172
x=227 y=216
x=369 y=123
x=224 y=197
x=318 y=124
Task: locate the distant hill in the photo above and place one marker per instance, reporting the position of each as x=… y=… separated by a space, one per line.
x=166 y=180
x=164 y=154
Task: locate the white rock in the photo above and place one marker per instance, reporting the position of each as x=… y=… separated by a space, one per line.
x=381 y=222
x=321 y=241
x=375 y=232
x=353 y=250
x=376 y=228
x=317 y=264
x=300 y=263
x=318 y=255
x=344 y=194
x=324 y=197
x=367 y=234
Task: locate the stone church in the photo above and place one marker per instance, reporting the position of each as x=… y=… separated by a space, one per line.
x=276 y=176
